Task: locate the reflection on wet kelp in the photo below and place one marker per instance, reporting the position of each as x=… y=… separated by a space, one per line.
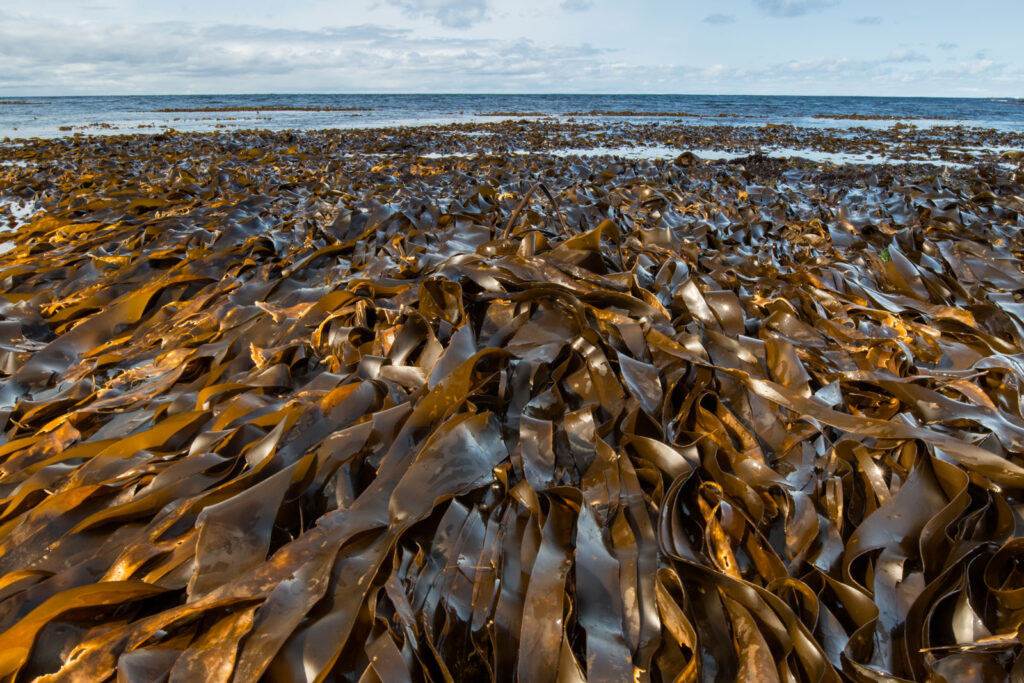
x=271 y=410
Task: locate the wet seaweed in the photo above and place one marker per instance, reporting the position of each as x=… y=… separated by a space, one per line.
x=877 y=117
x=274 y=409
x=511 y=113
x=255 y=107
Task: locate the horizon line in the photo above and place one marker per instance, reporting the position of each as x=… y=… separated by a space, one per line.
x=5 y=96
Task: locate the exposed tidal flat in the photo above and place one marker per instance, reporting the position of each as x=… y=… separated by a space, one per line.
x=539 y=396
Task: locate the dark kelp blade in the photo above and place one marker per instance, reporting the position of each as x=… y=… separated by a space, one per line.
x=314 y=406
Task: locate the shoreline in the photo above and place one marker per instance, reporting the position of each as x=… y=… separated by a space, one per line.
x=900 y=142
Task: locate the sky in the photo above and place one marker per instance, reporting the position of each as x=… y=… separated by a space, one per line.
x=777 y=47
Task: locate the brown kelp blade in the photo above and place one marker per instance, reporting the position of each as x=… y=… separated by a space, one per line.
x=271 y=407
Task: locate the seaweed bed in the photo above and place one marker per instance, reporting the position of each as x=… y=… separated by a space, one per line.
x=309 y=405
x=255 y=107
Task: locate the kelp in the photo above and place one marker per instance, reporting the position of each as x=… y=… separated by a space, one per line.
x=273 y=410
x=902 y=141
x=878 y=117
x=669 y=114
x=256 y=107
x=511 y=113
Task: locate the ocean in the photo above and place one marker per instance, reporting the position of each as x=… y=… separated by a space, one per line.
x=49 y=117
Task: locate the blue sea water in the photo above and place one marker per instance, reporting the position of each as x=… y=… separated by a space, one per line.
x=59 y=116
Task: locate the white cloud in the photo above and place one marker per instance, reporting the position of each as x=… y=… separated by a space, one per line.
x=451 y=13
x=576 y=5
x=978 y=67
x=85 y=57
x=719 y=18
x=45 y=56
x=793 y=8
x=907 y=56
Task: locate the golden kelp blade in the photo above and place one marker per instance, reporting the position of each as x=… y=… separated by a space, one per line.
x=276 y=407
